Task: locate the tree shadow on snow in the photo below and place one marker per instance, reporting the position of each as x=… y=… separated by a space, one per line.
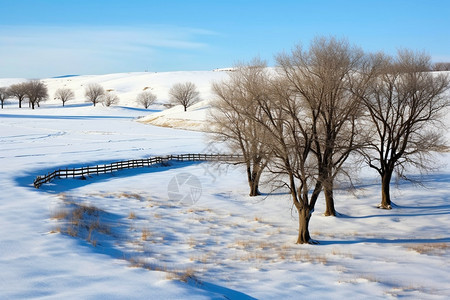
x=226 y=293
x=384 y=241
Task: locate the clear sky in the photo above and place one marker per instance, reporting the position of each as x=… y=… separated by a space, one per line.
x=45 y=38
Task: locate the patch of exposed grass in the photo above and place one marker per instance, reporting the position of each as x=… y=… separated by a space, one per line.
x=430 y=248
x=182 y=275
x=81 y=221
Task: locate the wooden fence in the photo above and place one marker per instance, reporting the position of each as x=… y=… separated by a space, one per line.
x=130 y=164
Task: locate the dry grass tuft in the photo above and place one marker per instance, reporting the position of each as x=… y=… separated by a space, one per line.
x=430 y=248
x=182 y=275
x=243 y=244
x=146 y=234
x=130 y=196
x=192 y=242
x=135 y=262
x=59 y=214
x=72 y=231
x=338 y=252
x=258 y=219
x=131 y=215
x=258 y=256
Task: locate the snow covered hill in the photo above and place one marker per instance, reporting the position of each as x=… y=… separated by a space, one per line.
x=121 y=235
x=128 y=85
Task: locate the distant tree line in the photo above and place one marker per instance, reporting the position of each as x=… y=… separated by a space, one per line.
x=301 y=120
x=441 y=66
x=35 y=91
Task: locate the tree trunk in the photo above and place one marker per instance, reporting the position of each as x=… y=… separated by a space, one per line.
x=20 y=103
x=329 y=200
x=185 y=108
x=254 y=189
x=303 y=226
x=329 y=197
x=254 y=180
x=315 y=195
x=385 y=190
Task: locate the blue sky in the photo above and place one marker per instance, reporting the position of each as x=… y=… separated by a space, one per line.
x=45 y=38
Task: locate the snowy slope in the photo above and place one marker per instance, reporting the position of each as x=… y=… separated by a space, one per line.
x=128 y=85
x=175 y=117
x=225 y=245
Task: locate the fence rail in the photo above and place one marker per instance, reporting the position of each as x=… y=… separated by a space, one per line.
x=130 y=164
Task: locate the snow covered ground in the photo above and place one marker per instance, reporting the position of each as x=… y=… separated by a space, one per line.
x=121 y=235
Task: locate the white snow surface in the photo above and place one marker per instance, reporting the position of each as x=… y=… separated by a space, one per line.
x=226 y=245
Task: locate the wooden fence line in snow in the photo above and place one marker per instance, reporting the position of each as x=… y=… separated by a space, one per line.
x=130 y=164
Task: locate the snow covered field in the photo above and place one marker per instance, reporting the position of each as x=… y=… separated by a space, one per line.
x=120 y=235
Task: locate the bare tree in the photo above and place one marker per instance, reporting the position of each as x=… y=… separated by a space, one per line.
x=185 y=94
x=145 y=98
x=321 y=76
x=404 y=103
x=93 y=92
x=289 y=134
x=4 y=94
x=18 y=90
x=441 y=66
x=233 y=118
x=36 y=91
x=109 y=99
x=64 y=94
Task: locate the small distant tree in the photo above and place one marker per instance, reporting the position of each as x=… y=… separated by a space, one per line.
x=109 y=99
x=18 y=91
x=36 y=91
x=64 y=94
x=185 y=94
x=3 y=95
x=146 y=98
x=93 y=93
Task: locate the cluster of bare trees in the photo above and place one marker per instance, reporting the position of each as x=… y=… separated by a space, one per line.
x=34 y=91
x=303 y=119
x=184 y=94
x=441 y=66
